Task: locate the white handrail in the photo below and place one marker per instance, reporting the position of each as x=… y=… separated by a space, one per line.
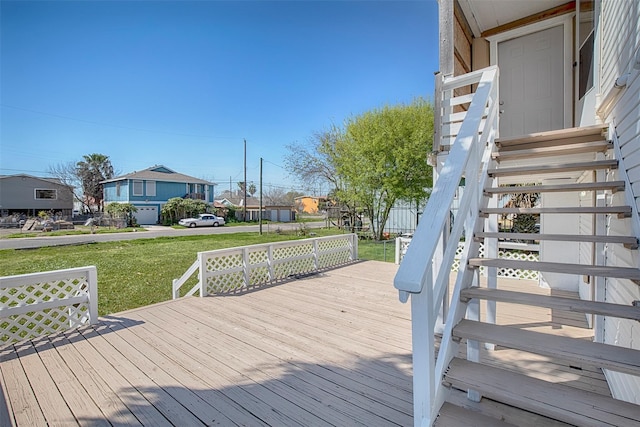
x=419 y=276
x=412 y=272
x=177 y=283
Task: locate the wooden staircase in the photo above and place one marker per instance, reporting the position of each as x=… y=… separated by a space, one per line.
x=567 y=154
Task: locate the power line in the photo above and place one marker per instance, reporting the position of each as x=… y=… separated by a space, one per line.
x=24 y=170
x=279 y=166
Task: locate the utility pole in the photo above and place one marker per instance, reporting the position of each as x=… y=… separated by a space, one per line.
x=260 y=214
x=244 y=210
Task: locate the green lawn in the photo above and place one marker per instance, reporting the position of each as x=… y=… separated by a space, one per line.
x=140 y=272
x=78 y=229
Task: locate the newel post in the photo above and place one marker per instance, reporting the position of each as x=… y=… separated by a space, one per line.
x=92 y=277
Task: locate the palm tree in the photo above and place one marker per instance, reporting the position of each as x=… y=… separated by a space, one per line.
x=94 y=169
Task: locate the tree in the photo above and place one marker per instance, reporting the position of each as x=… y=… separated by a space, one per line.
x=123 y=211
x=383 y=158
x=380 y=157
x=524 y=223
x=177 y=208
x=312 y=162
x=278 y=197
x=251 y=190
x=91 y=171
x=66 y=173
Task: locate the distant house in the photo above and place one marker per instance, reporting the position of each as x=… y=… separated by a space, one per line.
x=26 y=194
x=148 y=190
x=274 y=213
x=310 y=204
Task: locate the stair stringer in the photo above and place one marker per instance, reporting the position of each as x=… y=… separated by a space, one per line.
x=450 y=345
x=460 y=308
x=623 y=332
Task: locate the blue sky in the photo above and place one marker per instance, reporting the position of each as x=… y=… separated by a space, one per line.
x=183 y=83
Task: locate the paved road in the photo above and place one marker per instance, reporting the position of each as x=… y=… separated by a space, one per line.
x=152 y=232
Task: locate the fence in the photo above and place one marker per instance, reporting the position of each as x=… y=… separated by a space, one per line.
x=41 y=303
x=230 y=270
x=515 y=251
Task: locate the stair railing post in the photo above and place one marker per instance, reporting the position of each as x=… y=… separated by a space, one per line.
x=491 y=251
x=598 y=283
x=473 y=307
x=424 y=360
x=201 y=275
x=437 y=113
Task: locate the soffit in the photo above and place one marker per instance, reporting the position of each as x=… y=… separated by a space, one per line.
x=483 y=15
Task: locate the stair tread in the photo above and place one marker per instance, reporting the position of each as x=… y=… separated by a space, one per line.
x=455 y=416
x=554 y=302
x=605 y=356
x=556 y=267
x=629 y=241
x=583 y=186
x=555 y=400
x=546 y=151
x=595 y=131
x=561 y=167
x=496 y=411
x=625 y=210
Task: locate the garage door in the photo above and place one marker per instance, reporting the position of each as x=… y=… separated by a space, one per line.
x=146 y=215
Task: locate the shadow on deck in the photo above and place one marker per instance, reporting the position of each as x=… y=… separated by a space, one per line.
x=329 y=349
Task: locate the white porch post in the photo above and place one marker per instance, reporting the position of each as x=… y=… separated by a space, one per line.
x=424 y=389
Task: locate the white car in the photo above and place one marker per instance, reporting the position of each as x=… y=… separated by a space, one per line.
x=203 y=220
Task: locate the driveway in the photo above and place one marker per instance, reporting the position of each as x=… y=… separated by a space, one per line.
x=152 y=232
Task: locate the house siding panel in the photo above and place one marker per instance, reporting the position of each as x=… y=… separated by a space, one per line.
x=619 y=44
x=620 y=33
x=18 y=192
x=111 y=193
x=168 y=190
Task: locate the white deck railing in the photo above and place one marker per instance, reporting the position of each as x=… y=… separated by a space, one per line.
x=424 y=272
x=229 y=270
x=51 y=301
x=506 y=250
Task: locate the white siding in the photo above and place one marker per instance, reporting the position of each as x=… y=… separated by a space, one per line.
x=619 y=30
x=620 y=42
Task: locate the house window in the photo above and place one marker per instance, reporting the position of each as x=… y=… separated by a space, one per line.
x=118 y=189
x=151 y=188
x=137 y=188
x=586 y=37
x=46 y=194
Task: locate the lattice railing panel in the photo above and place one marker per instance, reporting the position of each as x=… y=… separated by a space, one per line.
x=504 y=254
x=258 y=257
x=41 y=292
x=41 y=303
x=224 y=262
x=334 y=258
x=36 y=323
x=287 y=269
x=329 y=245
x=223 y=283
x=230 y=270
x=286 y=252
x=259 y=276
x=519 y=256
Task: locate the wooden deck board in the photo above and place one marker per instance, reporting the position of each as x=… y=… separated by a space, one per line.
x=328 y=349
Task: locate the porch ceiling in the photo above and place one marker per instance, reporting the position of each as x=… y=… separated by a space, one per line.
x=486 y=14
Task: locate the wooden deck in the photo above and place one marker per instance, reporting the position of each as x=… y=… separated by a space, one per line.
x=330 y=349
